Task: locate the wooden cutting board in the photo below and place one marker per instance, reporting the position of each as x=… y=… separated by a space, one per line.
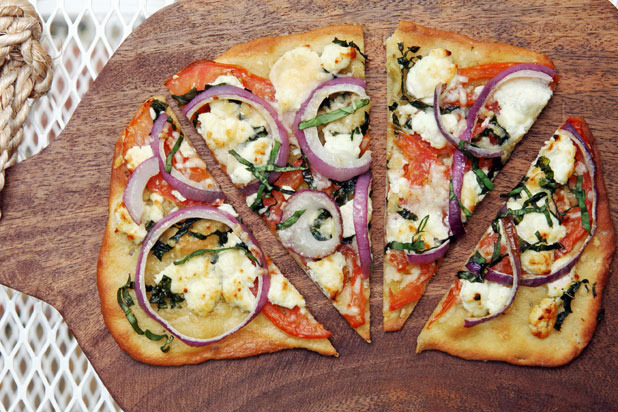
x=55 y=209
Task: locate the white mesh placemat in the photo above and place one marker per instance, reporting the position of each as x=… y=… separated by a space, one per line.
x=41 y=366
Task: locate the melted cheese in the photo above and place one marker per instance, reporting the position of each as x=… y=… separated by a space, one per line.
x=425 y=125
x=136 y=155
x=237 y=274
x=283 y=293
x=560 y=150
x=294 y=75
x=328 y=273
x=335 y=58
x=521 y=100
x=482 y=299
x=435 y=68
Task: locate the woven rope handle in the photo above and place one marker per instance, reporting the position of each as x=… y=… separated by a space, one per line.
x=25 y=72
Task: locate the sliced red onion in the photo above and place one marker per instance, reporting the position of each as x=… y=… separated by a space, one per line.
x=532 y=70
x=265 y=109
x=185 y=186
x=319 y=158
x=133 y=193
x=298 y=237
x=454 y=211
x=474 y=150
x=360 y=208
x=202 y=212
x=512 y=246
x=430 y=255
x=534 y=281
x=520 y=70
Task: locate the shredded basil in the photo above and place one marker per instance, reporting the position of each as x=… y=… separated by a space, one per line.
x=160 y=248
x=158 y=106
x=416 y=244
x=258 y=132
x=170 y=155
x=184 y=99
x=567 y=298
x=162 y=294
x=307 y=176
x=125 y=301
x=291 y=220
x=345 y=192
x=344 y=43
x=580 y=194
x=546 y=182
x=483 y=180
x=241 y=246
x=406 y=214
x=328 y=117
x=495 y=130
x=317 y=224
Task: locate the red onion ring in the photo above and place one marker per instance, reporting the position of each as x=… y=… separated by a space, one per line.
x=225 y=92
x=428 y=256
x=298 y=236
x=475 y=151
x=535 y=70
x=309 y=141
x=534 y=281
x=360 y=208
x=454 y=211
x=512 y=245
x=132 y=197
x=203 y=212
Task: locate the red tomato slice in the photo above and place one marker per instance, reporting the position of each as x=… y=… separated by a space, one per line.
x=413 y=290
x=399 y=259
x=484 y=71
x=448 y=301
x=137 y=133
x=295 y=323
x=292 y=179
x=420 y=157
x=358 y=301
x=275 y=212
x=201 y=72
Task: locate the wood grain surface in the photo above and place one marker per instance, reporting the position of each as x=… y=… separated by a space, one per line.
x=55 y=210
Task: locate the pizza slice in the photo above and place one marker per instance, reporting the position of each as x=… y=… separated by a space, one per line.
x=530 y=294
x=181 y=280
x=287 y=118
x=457 y=109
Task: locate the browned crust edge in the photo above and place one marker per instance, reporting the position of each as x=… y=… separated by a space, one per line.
x=548 y=358
x=260 y=336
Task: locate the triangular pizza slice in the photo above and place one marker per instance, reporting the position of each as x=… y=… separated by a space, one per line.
x=181 y=279
x=286 y=118
x=531 y=291
x=457 y=109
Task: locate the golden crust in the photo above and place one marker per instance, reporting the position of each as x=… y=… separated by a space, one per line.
x=466 y=52
x=116 y=262
x=507 y=338
x=259 y=55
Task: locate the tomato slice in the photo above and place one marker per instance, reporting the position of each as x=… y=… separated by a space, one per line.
x=399 y=259
x=358 y=301
x=420 y=157
x=413 y=290
x=486 y=248
x=275 y=212
x=292 y=179
x=294 y=322
x=484 y=71
x=201 y=72
x=448 y=301
x=137 y=133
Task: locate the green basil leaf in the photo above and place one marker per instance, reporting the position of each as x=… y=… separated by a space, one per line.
x=329 y=117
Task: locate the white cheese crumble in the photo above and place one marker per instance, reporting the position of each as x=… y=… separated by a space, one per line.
x=226 y=207
x=136 y=155
x=560 y=150
x=282 y=292
x=559 y=286
x=294 y=75
x=124 y=223
x=537 y=222
x=425 y=125
x=237 y=275
x=521 y=100
x=335 y=58
x=482 y=299
x=347 y=217
x=470 y=190
x=342 y=146
x=435 y=68
x=328 y=273
x=227 y=79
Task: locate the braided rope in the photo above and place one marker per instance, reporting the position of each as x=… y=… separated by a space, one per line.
x=25 y=73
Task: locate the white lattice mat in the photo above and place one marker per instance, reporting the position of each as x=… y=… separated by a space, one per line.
x=41 y=366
